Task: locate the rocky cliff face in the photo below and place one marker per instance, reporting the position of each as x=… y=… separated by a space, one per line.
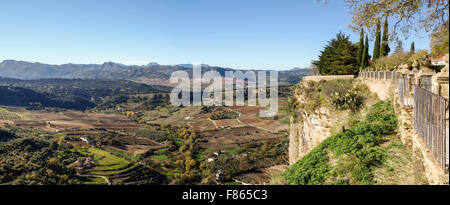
x=311 y=127
x=308 y=131
x=315 y=115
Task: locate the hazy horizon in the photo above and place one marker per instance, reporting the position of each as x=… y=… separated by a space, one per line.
x=146 y=64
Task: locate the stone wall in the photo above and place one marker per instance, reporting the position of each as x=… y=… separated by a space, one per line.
x=327 y=77
x=383 y=89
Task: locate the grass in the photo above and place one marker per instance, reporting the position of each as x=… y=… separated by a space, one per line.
x=160 y=158
x=105 y=162
x=232 y=183
x=123 y=154
x=402 y=166
x=95 y=181
x=231 y=150
x=200 y=156
x=349 y=157
x=104 y=158
x=113 y=172
x=60 y=137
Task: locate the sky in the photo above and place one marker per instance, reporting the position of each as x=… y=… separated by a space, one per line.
x=240 y=34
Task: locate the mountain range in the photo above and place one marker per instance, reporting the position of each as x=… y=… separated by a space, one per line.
x=152 y=73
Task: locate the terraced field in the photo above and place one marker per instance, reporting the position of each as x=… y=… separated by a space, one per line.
x=117 y=170
x=107 y=163
x=7 y=115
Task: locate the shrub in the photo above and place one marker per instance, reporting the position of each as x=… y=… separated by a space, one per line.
x=337 y=94
x=228 y=114
x=208 y=109
x=348 y=100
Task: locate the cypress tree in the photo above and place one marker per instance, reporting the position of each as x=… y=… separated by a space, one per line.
x=384 y=50
x=365 y=57
x=360 y=47
x=412 y=49
x=376 y=46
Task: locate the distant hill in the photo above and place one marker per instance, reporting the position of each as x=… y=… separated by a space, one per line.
x=152 y=73
x=16 y=96
x=90 y=84
x=69 y=93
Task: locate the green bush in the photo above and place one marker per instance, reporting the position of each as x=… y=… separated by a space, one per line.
x=208 y=109
x=228 y=114
x=338 y=94
x=348 y=100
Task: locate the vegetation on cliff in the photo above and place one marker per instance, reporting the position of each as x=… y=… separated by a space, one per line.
x=351 y=156
x=334 y=94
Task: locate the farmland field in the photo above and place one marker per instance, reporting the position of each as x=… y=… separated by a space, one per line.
x=106 y=163
x=7 y=115
x=145 y=143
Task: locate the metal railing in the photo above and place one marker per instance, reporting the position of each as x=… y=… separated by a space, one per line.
x=430 y=110
x=430 y=123
x=426 y=83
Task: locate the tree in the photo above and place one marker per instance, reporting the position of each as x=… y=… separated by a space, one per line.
x=360 y=47
x=399 y=47
x=439 y=42
x=384 y=50
x=376 y=46
x=365 y=57
x=408 y=14
x=339 y=57
x=412 y=49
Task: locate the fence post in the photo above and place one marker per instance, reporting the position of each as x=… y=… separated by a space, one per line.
x=423 y=79
x=403 y=85
x=441 y=80
x=392 y=76
x=412 y=75
x=396 y=73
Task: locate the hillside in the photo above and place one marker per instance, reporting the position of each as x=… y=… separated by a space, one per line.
x=69 y=93
x=32 y=157
x=46 y=161
x=17 y=96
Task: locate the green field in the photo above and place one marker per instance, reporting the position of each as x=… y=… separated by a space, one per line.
x=95 y=181
x=106 y=163
x=160 y=158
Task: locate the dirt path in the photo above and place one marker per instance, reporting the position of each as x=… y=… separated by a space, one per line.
x=214 y=122
x=240 y=182
x=103 y=177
